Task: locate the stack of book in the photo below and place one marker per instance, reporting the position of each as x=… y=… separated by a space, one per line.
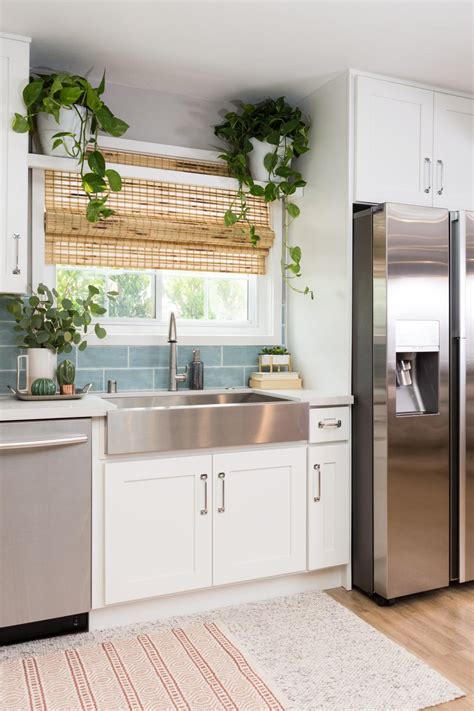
x=275 y=381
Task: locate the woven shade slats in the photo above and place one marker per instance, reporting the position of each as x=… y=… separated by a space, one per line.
x=147 y=160
x=157 y=225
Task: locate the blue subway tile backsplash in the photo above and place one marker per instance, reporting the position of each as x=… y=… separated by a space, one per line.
x=103 y=357
x=240 y=355
x=8 y=356
x=7 y=334
x=135 y=367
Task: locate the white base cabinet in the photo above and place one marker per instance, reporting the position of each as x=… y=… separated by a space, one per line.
x=259 y=519
x=329 y=505
x=158 y=527
x=182 y=523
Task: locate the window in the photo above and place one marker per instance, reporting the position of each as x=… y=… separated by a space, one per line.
x=166 y=249
x=195 y=297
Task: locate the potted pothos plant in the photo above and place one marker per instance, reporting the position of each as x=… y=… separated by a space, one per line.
x=274 y=356
x=66 y=112
x=50 y=325
x=263 y=139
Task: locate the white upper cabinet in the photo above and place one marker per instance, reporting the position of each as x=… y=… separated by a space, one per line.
x=259 y=525
x=393 y=142
x=158 y=529
x=413 y=145
x=14 y=71
x=453 y=155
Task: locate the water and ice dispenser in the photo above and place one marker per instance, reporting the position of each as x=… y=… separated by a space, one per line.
x=417 y=367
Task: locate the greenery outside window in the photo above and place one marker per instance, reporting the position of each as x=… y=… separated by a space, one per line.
x=195 y=297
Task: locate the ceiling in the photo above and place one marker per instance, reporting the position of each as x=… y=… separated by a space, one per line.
x=240 y=48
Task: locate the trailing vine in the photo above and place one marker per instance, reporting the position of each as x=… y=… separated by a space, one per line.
x=275 y=122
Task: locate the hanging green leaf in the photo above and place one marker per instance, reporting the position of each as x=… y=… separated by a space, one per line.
x=115 y=181
x=96 y=163
x=20 y=124
x=293 y=210
x=32 y=92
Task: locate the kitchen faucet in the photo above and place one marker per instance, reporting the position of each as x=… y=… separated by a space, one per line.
x=173 y=376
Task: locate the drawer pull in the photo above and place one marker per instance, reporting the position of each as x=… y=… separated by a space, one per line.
x=317 y=469
x=329 y=423
x=221 y=508
x=204 y=479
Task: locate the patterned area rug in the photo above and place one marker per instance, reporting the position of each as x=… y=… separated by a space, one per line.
x=183 y=669
x=319 y=654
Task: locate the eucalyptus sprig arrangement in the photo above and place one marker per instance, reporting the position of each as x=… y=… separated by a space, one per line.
x=49 y=322
x=283 y=126
x=53 y=93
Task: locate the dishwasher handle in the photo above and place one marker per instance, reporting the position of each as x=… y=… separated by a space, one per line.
x=36 y=444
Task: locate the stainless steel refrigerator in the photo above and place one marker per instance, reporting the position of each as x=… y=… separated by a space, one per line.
x=412 y=503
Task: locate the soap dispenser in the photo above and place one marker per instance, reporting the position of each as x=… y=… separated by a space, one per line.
x=196 y=372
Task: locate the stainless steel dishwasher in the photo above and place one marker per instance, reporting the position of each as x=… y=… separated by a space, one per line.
x=45 y=528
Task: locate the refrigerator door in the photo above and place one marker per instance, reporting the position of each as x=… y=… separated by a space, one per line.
x=411 y=399
x=466 y=405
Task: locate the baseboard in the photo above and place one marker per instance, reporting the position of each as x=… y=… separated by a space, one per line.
x=203 y=600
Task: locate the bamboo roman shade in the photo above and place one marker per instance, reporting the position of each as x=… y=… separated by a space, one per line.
x=152 y=160
x=157 y=225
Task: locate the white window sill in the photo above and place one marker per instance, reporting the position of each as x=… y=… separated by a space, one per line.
x=185 y=339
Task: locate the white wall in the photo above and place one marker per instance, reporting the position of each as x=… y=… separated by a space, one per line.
x=319 y=331
x=165 y=118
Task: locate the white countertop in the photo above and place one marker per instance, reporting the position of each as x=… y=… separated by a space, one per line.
x=96 y=406
x=88 y=406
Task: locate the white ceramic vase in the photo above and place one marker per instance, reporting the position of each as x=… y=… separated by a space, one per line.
x=257 y=155
x=47 y=126
x=39 y=363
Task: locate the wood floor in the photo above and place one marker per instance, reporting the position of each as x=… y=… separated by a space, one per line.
x=438 y=627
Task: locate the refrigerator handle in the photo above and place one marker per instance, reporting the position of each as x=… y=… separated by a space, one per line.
x=458 y=274
x=462 y=458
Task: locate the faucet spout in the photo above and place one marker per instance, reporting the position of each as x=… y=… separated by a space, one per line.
x=172 y=335
x=173 y=376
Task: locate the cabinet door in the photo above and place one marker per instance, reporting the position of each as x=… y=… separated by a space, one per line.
x=393 y=143
x=453 y=152
x=14 y=70
x=259 y=523
x=329 y=507
x=157 y=527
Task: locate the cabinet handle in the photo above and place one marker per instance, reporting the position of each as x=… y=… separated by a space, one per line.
x=329 y=423
x=427 y=165
x=17 y=237
x=204 y=479
x=221 y=508
x=317 y=469
x=440 y=165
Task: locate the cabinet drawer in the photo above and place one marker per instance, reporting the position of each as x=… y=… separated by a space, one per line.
x=329 y=424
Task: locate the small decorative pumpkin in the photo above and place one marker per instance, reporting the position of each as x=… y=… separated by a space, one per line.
x=66 y=372
x=43 y=386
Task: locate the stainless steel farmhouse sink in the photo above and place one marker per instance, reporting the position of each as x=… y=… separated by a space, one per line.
x=181 y=421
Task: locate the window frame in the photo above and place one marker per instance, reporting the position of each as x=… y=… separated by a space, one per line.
x=267 y=306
